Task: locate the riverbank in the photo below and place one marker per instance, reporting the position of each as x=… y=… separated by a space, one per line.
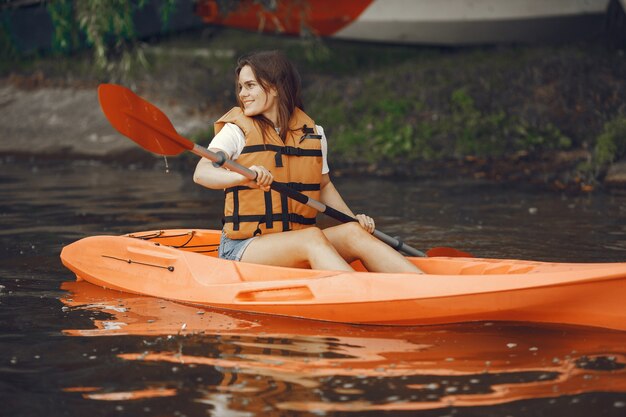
x=547 y=115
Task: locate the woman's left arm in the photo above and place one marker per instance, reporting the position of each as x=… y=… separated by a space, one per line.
x=331 y=197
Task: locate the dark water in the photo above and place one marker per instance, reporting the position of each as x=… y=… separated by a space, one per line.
x=72 y=349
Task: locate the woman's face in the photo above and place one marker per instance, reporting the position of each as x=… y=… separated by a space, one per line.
x=255 y=100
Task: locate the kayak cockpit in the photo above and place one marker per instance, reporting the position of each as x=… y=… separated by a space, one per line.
x=206 y=242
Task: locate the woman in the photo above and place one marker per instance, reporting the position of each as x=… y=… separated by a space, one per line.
x=270 y=133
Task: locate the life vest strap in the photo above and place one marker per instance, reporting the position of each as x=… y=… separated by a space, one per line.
x=285 y=150
x=237 y=188
x=236 y=211
x=282 y=150
x=269 y=221
x=300 y=186
x=261 y=218
x=297 y=186
x=284 y=202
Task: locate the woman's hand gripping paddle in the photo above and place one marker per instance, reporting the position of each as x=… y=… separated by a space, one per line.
x=150 y=128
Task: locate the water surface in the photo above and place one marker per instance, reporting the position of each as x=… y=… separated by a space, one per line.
x=69 y=348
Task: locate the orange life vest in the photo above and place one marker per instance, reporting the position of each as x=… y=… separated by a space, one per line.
x=296 y=163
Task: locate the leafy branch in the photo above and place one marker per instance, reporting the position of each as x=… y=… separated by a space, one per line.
x=106 y=25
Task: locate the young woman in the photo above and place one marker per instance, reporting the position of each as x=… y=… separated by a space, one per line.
x=270 y=133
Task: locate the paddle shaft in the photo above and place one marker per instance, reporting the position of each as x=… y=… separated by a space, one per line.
x=219 y=159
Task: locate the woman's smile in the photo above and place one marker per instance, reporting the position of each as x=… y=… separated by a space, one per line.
x=254 y=98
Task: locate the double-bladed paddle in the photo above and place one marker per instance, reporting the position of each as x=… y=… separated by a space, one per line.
x=150 y=128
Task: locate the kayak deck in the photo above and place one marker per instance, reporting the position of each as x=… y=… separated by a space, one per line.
x=182 y=265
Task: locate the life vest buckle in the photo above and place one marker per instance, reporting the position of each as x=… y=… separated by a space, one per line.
x=309 y=133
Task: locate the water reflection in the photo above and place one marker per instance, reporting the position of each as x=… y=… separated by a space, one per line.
x=266 y=363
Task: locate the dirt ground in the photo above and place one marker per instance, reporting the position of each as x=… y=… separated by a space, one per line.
x=68 y=123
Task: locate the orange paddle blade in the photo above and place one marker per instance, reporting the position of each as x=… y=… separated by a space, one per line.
x=448 y=252
x=140 y=121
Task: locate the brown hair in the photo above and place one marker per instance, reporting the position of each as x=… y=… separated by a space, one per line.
x=272 y=69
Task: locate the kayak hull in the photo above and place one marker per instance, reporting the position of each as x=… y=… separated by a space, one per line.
x=181 y=265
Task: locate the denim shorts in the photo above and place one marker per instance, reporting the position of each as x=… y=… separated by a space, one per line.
x=233 y=249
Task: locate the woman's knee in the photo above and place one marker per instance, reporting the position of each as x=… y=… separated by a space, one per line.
x=353 y=230
x=314 y=235
x=347 y=234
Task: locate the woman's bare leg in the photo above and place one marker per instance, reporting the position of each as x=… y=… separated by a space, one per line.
x=297 y=248
x=353 y=242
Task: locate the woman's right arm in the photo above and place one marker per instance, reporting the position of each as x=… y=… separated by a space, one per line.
x=219 y=178
x=216 y=178
x=230 y=140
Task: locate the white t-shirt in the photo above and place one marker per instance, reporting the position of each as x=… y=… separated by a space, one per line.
x=232 y=141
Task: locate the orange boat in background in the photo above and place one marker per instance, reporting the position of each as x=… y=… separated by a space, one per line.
x=182 y=265
x=441 y=22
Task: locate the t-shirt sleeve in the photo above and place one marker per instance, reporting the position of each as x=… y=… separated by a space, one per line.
x=230 y=139
x=324 y=144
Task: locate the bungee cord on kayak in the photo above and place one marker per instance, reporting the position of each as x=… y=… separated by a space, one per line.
x=131 y=261
x=185 y=245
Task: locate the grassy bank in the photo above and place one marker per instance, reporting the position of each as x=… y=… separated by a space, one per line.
x=543 y=113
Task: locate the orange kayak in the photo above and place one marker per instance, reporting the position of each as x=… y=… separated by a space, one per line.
x=182 y=265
